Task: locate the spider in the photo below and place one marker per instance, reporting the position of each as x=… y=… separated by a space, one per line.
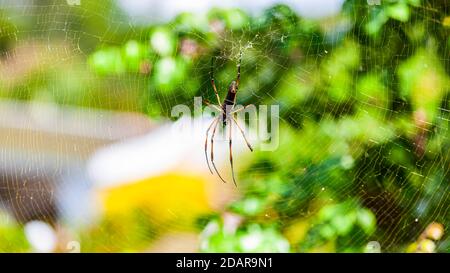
x=227 y=115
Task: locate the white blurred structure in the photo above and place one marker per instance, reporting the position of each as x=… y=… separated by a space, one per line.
x=41 y=236
x=147 y=11
x=43 y=152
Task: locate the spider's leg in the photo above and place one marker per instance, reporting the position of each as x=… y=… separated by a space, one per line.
x=240 y=109
x=238 y=77
x=243 y=133
x=206 y=143
x=213 y=82
x=212 y=152
x=212 y=105
x=231 y=153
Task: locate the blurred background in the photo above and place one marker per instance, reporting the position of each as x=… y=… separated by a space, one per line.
x=91 y=160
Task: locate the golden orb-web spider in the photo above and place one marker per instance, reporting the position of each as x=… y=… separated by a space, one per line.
x=226 y=117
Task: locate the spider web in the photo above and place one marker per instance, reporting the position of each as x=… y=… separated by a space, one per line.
x=52 y=41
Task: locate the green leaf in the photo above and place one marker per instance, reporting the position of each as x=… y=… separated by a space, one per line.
x=163 y=41
x=366 y=220
x=399 y=12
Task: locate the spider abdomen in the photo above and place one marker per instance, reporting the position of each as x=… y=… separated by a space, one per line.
x=229 y=101
x=227 y=107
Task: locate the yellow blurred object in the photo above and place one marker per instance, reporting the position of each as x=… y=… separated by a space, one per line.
x=169 y=197
x=329 y=247
x=446 y=21
x=297 y=231
x=426 y=246
x=434 y=231
x=426 y=242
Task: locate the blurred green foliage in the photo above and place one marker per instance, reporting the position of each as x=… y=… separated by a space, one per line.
x=251 y=238
x=363 y=96
x=12 y=235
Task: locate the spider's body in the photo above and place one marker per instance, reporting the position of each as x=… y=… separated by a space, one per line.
x=227 y=116
x=229 y=102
